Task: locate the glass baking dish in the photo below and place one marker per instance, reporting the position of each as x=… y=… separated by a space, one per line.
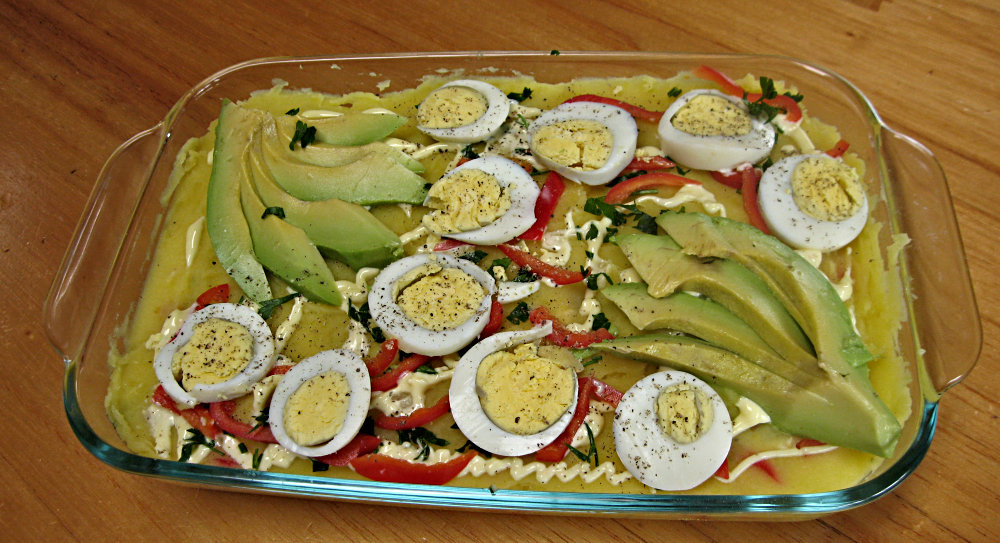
x=101 y=276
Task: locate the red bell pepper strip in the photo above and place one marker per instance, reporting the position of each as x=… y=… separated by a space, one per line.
x=222 y=414
x=751 y=177
x=495 y=322
x=215 y=295
x=197 y=416
x=633 y=110
x=386 y=354
x=767 y=467
x=564 y=337
x=419 y=417
x=623 y=191
x=389 y=380
x=723 y=471
x=808 y=442
x=544 y=206
x=561 y=276
x=792 y=110
x=649 y=164
x=360 y=445
x=380 y=467
x=280 y=369
x=449 y=244
x=732 y=178
x=588 y=388
x=839 y=149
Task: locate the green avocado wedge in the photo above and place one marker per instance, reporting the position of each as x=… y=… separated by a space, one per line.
x=287 y=251
x=330 y=156
x=666 y=269
x=224 y=220
x=839 y=410
x=707 y=320
x=803 y=290
x=348 y=128
x=341 y=230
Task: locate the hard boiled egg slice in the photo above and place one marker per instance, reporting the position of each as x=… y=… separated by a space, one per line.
x=433 y=304
x=813 y=201
x=708 y=130
x=672 y=431
x=485 y=201
x=464 y=111
x=508 y=400
x=587 y=142
x=218 y=354
x=321 y=403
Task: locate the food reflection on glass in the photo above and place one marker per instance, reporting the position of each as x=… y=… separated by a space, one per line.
x=606 y=285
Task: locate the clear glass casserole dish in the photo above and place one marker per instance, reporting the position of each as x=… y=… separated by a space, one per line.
x=101 y=277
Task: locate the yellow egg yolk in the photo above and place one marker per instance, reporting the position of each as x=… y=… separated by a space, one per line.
x=439 y=298
x=827 y=190
x=217 y=351
x=580 y=143
x=684 y=412
x=523 y=393
x=451 y=107
x=463 y=201
x=709 y=115
x=316 y=411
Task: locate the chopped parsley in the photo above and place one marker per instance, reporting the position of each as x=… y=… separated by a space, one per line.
x=423 y=438
x=554 y=52
x=593 y=448
x=278 y=212
x=304 y=134
x=591 y=280
x=267 y=307
x=674 y=92
x=519 y=314
x=597 y=206
x=520 y=96
x=522 y=121
x=194 y=439
x=426 y=369
x=592 y=233
x=293 y=111
x=469 y=153
x=363 y=316
x=470 y=445
x=645 y=222
x=475 y=256
x=592 y=360
x=760 y=107
x=601 y=321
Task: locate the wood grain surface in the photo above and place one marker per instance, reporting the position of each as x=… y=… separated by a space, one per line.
x=78 y=78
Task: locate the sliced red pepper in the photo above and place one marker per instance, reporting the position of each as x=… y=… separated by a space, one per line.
x=419 y=417
x=751 y=177
x=389 y=380
x=197 y=416
x=839 y=149
x=562 y=336
x=633 y=110
x=767 y=467
x=449 y=244
x=546 y=203
x=495 y=322
x=222 y=414
x=360 y=445
x=723 y=471
x=280 y=369
x=732 y=178
x=807 y=442
x=605 y=392
x=380 y=467
x=561 y=276
x=792 y=110
x=555 y=451
x=622 y=192
x=386 y=354
x=649 y=164
x=216 y=295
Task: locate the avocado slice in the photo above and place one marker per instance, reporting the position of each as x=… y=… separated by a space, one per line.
x=707 y=320
x=330 y=156
x=286 y=250
x=348 y=128
x=341 y=230
x=666 y=269
x=803 y=290
x=372 y=179
x=224 y=220
x=841 y=410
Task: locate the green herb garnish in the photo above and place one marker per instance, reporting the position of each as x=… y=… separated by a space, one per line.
x=267 y=307
x=293 y=111
x=475 y=256
x=469 y=153
x=591 y=280
x=194 y=439
x=519 y=314
x=520 y=96
x=276 y=211
x=601 y=321
x=304 y=134
x=423 y=438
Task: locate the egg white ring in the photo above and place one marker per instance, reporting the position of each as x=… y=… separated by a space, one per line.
x=261 y=360
x=650 y=454
x=619 y=122
x=346 y=362
x=714 y=153
x=513 y=291
x=468 y=412
x=792 y=225
x=523 y=192
x=483 y=128
x=412 y=337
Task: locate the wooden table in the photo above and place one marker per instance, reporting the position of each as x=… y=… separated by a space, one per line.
x=79 y=78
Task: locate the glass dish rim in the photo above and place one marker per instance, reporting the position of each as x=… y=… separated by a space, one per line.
x=466 y=497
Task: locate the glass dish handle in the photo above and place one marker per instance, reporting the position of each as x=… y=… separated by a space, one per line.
x=944 y=305
x=78 y=287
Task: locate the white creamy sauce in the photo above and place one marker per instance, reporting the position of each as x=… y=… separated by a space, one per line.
x=191 y=240
x=411 y=392
x=686 y=194
x=288 y=326
x=170 y=327
x=169 y=432
x=272 y=455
